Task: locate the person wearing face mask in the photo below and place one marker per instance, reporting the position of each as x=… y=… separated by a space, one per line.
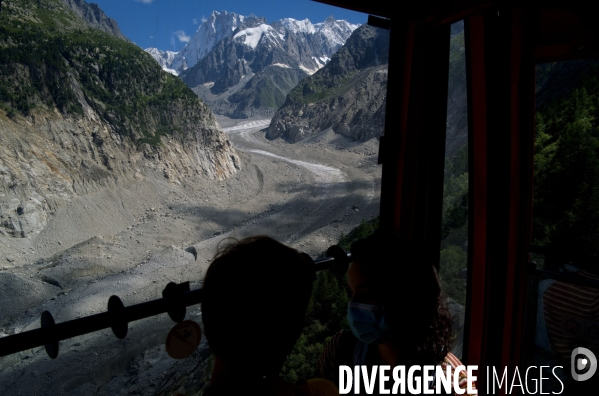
x=397 y=312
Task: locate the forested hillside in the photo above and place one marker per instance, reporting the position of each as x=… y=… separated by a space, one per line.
x=81 y=109
x=566 y=194
x=51 y=59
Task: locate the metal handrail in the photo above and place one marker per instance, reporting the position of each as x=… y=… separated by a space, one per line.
x=176 y=298
x=570 y=255
x=563 y=276
x=568 y=278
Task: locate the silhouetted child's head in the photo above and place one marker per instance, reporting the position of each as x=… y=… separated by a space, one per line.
x=254 y=300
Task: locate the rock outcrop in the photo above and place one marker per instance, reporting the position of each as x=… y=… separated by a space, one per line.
x=347 y=95
x=457 y=106
x=252 y=68
x=95 y=17
x=85 y=111
x=218 y=26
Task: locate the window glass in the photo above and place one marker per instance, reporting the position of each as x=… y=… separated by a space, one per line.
x=454 y=227
x=116 y=179
x=566 y=210
x=564 y=290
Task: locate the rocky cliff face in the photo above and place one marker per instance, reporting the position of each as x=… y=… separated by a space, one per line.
x=310 y=44
x=252 y=68
x=81 y=111
x=347 y=95
x=217 y=27
x=95 y=17
x=457 y=105
x=48 y=159
x=240 y=80
x=164 y=59
x=257 y=94
x=247 y=74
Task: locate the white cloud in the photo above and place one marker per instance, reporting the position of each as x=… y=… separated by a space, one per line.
x=180 y=34
x=145 y=1
x=151 y=37
x=197 y=21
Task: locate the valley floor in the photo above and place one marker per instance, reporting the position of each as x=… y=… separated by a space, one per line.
x=130 y=240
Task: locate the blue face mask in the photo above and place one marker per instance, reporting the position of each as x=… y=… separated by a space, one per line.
x=367 y=322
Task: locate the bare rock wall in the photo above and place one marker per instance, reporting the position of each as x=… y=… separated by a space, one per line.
x=48 y=158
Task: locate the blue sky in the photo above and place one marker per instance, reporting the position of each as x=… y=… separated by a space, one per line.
x=168 y=24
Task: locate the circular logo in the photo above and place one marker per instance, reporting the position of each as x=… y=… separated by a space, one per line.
x=183 y=339
x=583 y=364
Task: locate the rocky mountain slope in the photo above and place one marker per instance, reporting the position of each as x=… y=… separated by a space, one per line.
x=164 y=59
x=347 y=95
x=95 y=17
x=218 y=26
x=245 y=75
x=457 y=106
x=257 y=94
x=322 y=39
x=242 y=66
x=82 y=110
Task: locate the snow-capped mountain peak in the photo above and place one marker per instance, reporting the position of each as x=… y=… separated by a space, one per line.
x=295 y=26
x=217 y=27
x=324 y=38
x=251 y=36
x=335 y=31
x=164 y=58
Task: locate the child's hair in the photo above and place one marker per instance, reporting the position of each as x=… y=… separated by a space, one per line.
x=254 y=299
